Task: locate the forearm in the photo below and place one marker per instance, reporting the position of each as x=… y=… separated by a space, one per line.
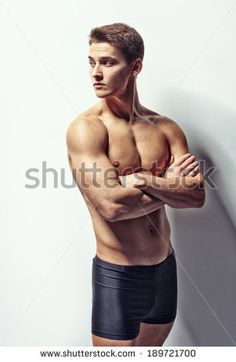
x=177 y=192
x=133 y=207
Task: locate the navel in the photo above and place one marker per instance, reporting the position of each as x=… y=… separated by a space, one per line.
x=151 y=228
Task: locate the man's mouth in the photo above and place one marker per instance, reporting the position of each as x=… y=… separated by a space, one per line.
x=98 y=84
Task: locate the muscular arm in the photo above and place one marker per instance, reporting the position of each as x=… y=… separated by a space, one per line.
x=176 y=191
x=144 y=206
x=97 y=179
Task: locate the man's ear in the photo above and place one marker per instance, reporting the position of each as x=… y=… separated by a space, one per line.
x=137 y=66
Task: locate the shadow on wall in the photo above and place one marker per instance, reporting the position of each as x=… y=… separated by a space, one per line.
x=205 y=238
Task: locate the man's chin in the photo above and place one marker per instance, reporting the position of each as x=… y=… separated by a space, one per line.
x=102 y=94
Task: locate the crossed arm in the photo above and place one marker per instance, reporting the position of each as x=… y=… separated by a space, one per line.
x=181 y=186
x=102 y=187
x=183 y=183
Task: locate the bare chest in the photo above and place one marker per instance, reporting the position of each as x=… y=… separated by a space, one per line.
x=138 y=147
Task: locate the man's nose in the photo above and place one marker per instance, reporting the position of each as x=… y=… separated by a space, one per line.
x=97 y=72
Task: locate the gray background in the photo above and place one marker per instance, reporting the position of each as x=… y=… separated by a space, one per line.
x=47 y=242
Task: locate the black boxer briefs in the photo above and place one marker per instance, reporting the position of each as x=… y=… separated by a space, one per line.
x=126 y=295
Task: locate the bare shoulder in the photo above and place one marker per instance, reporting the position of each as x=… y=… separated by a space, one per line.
x=164 y=123
x=170 y=128
x=175 y=136
x=86 y=131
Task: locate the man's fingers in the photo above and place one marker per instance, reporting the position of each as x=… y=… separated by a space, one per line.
x=189 y=167
x=186 y=165
x=194 y=172
x=182 y=159
x=187 y=162
x=193 y=166
x=172 y=159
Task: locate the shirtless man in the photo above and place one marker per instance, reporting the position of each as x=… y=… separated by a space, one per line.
x=129 y=162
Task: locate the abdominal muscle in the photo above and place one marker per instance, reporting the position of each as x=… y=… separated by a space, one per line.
x=140 y=241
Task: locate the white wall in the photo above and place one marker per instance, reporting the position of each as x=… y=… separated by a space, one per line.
x=47 y=243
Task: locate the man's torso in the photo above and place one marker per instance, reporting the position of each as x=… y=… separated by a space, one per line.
x=143 y=146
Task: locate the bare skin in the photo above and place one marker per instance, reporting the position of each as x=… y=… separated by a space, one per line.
x=124 y=137
x=149 y=335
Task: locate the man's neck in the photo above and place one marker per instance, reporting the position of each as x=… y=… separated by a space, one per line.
x=126 y=106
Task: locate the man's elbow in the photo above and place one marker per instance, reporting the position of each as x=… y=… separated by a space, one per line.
x=195 y=200
x=110 y=212
x=118 y=208
x=199 y=196
x=199 y=200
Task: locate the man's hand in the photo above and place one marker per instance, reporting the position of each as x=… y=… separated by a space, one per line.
x=183 y=166
x=135 y=179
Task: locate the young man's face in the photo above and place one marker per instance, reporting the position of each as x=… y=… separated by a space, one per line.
x=108 y=66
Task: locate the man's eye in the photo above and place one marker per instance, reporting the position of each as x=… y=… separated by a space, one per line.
x=108 y=62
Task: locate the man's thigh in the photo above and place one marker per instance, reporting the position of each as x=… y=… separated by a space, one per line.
x=149 y=335
x=100 y=341
x=153 y=334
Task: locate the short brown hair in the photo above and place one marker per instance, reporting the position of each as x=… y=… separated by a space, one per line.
x=121 y=36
